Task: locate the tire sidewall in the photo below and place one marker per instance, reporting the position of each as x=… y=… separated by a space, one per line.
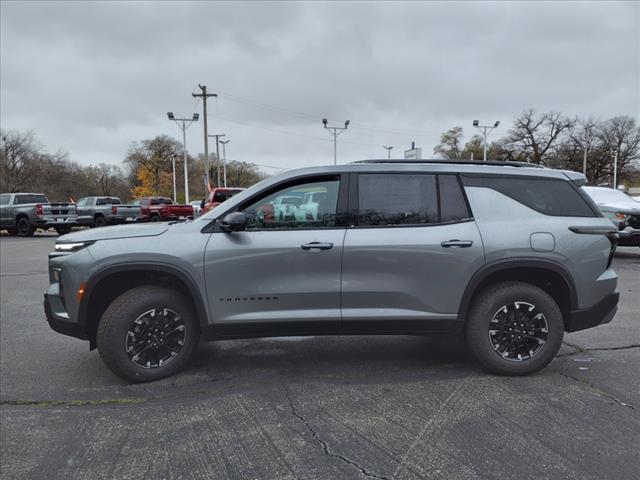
x=485 y=307
x=24 y=227
x=120 y=315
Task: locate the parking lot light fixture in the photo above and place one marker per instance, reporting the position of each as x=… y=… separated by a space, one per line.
x=184 y=123
x=486 y=129
x=335 y=131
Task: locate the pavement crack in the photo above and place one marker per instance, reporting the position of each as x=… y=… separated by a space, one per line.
x=73 y=403
x=325 y=445
x=597 y=389
x=579 y=349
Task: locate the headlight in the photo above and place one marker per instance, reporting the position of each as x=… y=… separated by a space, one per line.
x=622 y=216
x=70 y=247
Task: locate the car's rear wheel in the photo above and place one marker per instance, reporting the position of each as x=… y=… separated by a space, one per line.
x=154 y=217
x=100 y=221
x=147 y=333
x=514 y=328
x=24 y=227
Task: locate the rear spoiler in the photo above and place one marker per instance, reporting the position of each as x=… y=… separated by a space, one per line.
x=576 y=177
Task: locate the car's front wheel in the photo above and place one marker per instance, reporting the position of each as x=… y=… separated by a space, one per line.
x=514 y=328
x=147 y=333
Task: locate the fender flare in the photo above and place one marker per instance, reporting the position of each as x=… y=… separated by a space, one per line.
x=159 y=267
x=522 y=262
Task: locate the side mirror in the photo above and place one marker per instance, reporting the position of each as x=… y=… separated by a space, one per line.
x=234 y=222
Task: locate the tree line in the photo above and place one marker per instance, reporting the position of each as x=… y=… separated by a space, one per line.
x=147 y=170
x=555 y=140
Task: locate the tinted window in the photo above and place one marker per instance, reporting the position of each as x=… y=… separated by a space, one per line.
x=545 y=195
x=397 y=199
x=279 y=211
x=23 y=199
x=4 y=199
x=155 y=201
x=453 y=207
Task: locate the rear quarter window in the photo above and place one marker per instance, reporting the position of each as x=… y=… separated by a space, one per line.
x=550 y=196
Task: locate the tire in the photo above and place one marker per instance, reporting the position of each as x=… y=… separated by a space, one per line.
x=118 y=331
x=506 y=348
x=63 y=230
x=154 y=218
x=100 y=221
x=24 y=227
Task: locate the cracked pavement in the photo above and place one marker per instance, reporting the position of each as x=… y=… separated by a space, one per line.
x=313 y=407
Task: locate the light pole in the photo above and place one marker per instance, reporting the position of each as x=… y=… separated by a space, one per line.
x=388 y=151
x=173 y=164
x=184 y=123
x=335 y=131
x=484 y=129
x=224 y=161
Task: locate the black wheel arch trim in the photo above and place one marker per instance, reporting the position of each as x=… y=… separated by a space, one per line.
x=524 y=262
x=182 y=275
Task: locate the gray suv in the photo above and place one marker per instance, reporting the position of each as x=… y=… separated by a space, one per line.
x=508 y=255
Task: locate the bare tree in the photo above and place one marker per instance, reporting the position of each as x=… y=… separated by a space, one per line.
x=535 y=138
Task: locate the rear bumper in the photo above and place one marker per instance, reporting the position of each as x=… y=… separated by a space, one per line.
x=57 y=317
x=599 y=314
x=53 y=221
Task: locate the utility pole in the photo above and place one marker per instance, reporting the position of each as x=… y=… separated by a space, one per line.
x=224 y=161
x=173 y=164
x=184 y=123
x=388 y=151
x=217 y=136
x=615 y=170
x=484 y=129
x=204 y=96
x=335 y=131
x=586 y=147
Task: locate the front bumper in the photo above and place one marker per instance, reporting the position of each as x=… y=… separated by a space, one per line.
x=629 y=237
x=599 y=314
x=57 y=316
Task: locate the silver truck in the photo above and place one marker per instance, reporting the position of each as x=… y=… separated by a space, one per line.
x=22 y=213
x=102 y=211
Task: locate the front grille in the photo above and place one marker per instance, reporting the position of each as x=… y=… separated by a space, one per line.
x=634 y=221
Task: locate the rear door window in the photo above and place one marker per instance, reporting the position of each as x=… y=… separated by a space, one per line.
x=453 y=205
x=397 y=199
x=25 y=199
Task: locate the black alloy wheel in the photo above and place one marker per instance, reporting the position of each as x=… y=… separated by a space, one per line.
x=155 y=338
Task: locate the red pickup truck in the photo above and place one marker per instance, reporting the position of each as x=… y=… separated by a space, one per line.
x=219 y=195
x=157 y=209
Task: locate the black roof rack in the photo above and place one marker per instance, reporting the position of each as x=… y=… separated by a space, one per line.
x=492 y=163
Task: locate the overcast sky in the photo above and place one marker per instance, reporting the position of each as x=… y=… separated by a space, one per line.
x=90 y=78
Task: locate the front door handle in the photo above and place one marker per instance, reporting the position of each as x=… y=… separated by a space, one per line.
x=316 y=245
x=457 y=244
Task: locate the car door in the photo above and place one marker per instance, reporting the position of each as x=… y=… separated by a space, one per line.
x=279 y=273
x=84 y=208
x=410 y=253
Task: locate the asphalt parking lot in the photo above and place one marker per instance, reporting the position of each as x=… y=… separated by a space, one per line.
x=313 y=408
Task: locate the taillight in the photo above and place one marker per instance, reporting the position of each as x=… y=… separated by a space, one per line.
x=114 y=210
x=613 y=239
x=39 y=210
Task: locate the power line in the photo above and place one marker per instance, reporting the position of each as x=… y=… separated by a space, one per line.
x=204 y=95
x=309 y=116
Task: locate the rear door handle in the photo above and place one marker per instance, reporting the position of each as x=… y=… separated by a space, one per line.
x=456 y=243
x=316 y=245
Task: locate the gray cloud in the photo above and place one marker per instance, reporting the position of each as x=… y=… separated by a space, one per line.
x=92 y=77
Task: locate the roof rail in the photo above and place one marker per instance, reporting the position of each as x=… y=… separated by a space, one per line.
x=491 y=163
